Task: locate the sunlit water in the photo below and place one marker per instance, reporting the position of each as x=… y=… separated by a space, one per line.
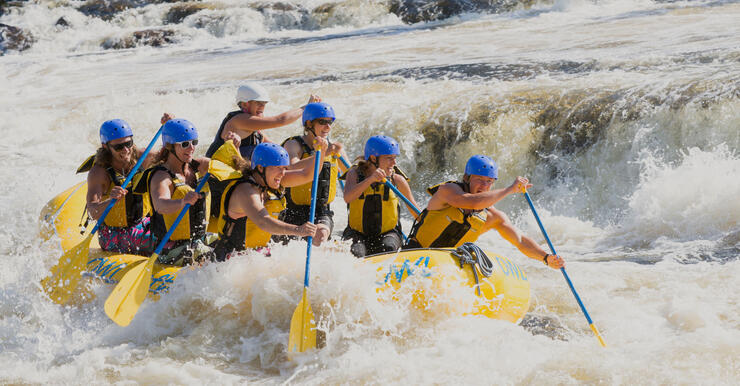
x=625 y=115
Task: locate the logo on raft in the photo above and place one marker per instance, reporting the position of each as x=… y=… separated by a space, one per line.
x=508 y=268
x=106 y=270
x=407 y=268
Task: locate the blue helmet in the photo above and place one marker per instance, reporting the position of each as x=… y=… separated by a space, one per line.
x=178 y=130
x=317 y=110
x=480 y=165
x=381 y=145
x=114 y=129
x=269 y=154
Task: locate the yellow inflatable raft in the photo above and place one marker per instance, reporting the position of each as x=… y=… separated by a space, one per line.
x=504 y=294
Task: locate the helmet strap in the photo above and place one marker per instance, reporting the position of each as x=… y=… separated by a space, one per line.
x=263 y=175
x=182 y=163
x=311 y=130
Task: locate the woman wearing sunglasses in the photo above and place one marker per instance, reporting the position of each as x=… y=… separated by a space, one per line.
x=126 y=227
x=317 y=120
x=249 y=120
x=168 y=186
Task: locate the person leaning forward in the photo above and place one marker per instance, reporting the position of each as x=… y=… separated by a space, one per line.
x=252 y=202
x=461 y=211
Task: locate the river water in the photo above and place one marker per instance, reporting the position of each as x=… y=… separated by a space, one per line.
x=624 y=114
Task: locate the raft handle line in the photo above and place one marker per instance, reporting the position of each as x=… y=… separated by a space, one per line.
x=469 y=253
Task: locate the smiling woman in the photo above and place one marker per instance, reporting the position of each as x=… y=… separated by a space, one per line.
x=169 y=185
x=126 y=227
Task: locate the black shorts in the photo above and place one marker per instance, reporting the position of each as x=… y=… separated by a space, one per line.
x=364 y=245
x=299 y=216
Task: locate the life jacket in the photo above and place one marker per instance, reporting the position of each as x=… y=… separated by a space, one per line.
x=449 y=227
x=126 y=212
x=240 y=234
x=222 y=170
x=193 y=225
x=247 y=144
x=377 y=210
x=326 y=190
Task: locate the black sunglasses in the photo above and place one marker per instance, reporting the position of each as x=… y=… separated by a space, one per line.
x=324 y=121
x=186 y=144
x=120 y=146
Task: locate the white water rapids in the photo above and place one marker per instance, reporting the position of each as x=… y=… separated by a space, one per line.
x=624 y=114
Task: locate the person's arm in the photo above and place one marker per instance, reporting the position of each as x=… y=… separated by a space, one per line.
x=299 y=173
x=294 y=150
x=203 y=163
x=98 y=182
x=403 y=187
x=245 y=124
x=336 y=149
x=500 y=222
x=246 y=201
x=453 y=195
x=161 y=192
x=353 y=189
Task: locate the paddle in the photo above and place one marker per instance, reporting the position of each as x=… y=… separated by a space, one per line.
x=346 y=165
x=65 y=276
x=125 y=300
x=565 y=274
x=302 y=326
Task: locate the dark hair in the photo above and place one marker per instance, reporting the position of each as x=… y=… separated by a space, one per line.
x=363 y=166
x=242 y=165
x=104 y=157
x=163 y=154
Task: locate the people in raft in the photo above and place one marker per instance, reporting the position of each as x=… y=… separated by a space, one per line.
x=125 y=228
x=461 y=211
x=169 y=185
x=251 y=204
x=249 y=121
x=317 y=120
x=374 y=224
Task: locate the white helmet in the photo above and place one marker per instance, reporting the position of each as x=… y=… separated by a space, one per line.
x=251 y=92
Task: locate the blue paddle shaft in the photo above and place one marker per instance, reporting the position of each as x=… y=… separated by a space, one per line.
x=128 y=179
x=399 y=194
x=179 y=217
x=312 y=212
x=344 y=161
x=552 y=249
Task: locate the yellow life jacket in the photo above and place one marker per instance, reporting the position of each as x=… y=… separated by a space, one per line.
x=242 y=233
x=327 y=187
x=449 y=227
x=222 y=169
x=126 y=212
x=193 y=225
x=377 y=210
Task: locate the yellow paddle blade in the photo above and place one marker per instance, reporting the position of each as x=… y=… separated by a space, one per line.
x=302 y=327
x=125 y=300
x=65 y=276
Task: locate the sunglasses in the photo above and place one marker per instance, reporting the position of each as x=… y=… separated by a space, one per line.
x=186 y=144
x=324 y=121
x=120 y=146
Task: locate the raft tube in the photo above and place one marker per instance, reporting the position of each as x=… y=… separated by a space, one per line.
x=505 y=294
